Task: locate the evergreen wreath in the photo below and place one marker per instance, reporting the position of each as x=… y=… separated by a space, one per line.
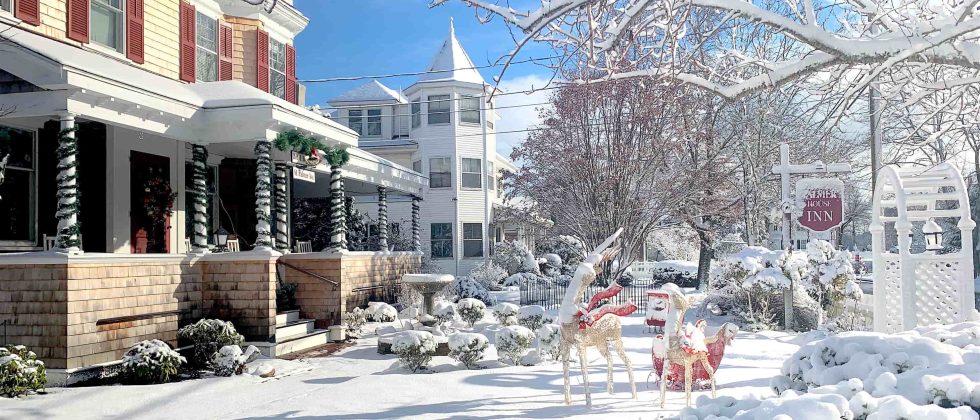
x=158 y=198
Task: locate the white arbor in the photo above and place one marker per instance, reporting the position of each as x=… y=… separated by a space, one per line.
x=912 y=289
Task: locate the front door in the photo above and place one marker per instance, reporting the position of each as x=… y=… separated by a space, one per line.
x=150 y=191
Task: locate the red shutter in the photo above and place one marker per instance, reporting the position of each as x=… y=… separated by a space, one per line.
x=188 y=43
x=262 y=59
x=134 y=30
x=225 y=52
x=291 y=74
x=78 y=20
x=28 y=11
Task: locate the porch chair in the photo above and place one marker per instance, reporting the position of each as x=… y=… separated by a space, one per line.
x=187 y=244
x=51 y=240
x=233 y=245
x=304 y=246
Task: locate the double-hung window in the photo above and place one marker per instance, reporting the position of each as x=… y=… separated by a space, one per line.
x=18 y=191
x=107 y=23
x=472 y=240
x=417 y=166
x=471 y=173
x=440 y=173
x=7 y=6
x=416 y=113
x=355 y=120
x=439 y=109
x=207 y=47
x=469 y=109
x=277 y=68
x=373 y=123
x=490 y=174
x=441 y=240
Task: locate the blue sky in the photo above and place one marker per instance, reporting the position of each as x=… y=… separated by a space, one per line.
x=369 y=37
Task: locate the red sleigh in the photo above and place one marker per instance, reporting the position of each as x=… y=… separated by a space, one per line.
x=716 y=351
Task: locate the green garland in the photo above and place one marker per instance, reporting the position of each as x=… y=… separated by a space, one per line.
x=199 y=196
x=416 y=226
x=281 y=209
x=338 y=216
x=263 y=194
x=294 y=140
x=67 y=179
x=382 y=218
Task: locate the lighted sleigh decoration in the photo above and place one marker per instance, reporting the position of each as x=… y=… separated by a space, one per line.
x=694 y=358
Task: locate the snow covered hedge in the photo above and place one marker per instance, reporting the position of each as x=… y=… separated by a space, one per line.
x=927 y=373
x=414 y=348
x=506 y=313
x=471 y=310
x=209 y=335
x=513 y=342
x=20 y=371
x=468 y=288
x=381 y=312
x=550 y=337
x=231 y=360
x=467 y=348
x=150 y=362
x=532 y=317
x=489 y=275
x=514 y=257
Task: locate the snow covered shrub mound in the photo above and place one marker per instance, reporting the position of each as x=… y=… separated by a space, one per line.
x=506 y=313
x=467 y=288
x=209 y=335
x=471 y=310
x=230 y=360
x=532 y=317
x=414 y=348
x=569 y=249
x=445 y=312
x=20 y=371
x=789 y=406
x=467 y=348
x=550 y=335
x=383 y=312
x=489 y=275
x=831 y=280
x=514 y=257
x=513 y=342
x=523 y=280
x=150 y=362
x=354 y=321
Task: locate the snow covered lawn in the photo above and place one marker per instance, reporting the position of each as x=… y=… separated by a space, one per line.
x=359 y=383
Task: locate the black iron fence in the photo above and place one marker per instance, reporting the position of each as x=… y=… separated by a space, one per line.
x=550 y=295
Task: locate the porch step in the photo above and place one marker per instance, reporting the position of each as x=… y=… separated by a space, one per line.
x=293 y=344
x=286 y=317
x=295 y=328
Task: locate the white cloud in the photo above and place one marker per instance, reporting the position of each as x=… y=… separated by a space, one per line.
x=519 y=118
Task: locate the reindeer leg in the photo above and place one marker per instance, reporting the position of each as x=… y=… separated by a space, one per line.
x=565 y=363
x=629 y=365
x=711 y=374
x=663 y=382
x=583 y=361
x=688 y=378
x=604 y=351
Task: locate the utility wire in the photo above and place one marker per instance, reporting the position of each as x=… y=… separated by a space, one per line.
x=462 y=97
x=419 y=73
x=442 y=112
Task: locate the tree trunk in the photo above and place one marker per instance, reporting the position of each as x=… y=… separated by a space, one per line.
x=704 y=265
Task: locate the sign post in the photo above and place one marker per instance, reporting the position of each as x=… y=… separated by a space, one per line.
x=785 y=170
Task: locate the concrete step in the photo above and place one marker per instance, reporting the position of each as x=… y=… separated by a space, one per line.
x=286 y=317
x=287 y=345
x=295 y=328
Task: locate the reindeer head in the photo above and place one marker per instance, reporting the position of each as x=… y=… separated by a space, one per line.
x=728 y=332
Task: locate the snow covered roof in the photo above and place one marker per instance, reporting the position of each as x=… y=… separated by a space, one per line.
x=452 y=63
x=372 y=91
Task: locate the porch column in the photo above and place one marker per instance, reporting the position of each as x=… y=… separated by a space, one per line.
x=282 y=209
x=263 y=193
x=416 y=225
x=67 y=180
x=382 y=218
x=199 y=195
x=338 y=216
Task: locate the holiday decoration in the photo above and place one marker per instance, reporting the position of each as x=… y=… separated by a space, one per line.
x=819 y=205
x=67 y=179
x=416 y=226
x=592 y=326
x=263 y=194
x=199 y=197
x=337 y=158
x=281 y=209
x=382 y=218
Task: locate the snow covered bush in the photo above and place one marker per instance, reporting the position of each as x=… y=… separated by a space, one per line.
x=150 y=362
x=381 y=312
x=414 y=348
x=471 y=310
x=523 y=280
x=513 y=342
x=532 y=317
x=354 y=321
x=550 y=337
x=467 y=348
x=506 y=313
x=677 y=272
x=489 y=275
x=568 y=248
x=467 y=288
x=209 y=335
x=230 y=360
x=831 y=279
x=20 y=371
x=514 y=257
x=445 y=312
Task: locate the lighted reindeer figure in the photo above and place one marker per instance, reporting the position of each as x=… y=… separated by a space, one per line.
x=593 y=325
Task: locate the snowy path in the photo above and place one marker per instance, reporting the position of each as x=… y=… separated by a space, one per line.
x=359 y=383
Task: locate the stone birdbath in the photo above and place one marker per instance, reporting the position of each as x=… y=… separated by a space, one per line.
x=428 y=285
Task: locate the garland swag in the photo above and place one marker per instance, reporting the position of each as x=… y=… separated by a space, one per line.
x=67 y=180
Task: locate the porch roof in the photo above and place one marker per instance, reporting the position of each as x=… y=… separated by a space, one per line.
x=104 y=88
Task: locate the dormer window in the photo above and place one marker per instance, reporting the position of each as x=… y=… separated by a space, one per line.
x=372 y=127
x=207 y=47
x=277 y=68
x=106 y=25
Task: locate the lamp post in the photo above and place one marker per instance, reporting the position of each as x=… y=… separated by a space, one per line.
x=934 y=235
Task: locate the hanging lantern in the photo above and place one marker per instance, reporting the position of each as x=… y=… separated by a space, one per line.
x=221 y=238
x=934 y=235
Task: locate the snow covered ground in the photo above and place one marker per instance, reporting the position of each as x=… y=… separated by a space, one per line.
x=359 y=383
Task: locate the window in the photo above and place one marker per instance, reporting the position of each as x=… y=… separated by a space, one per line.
x=471 y=173
x=7 y=5
x=469 y=109
x=354 y=120
x=106 y=23
x=373 y=123
x=472 y=240
x=417 y=166
x=416 y=113
x=441 y=238
x=440 y=173
x=277 y=68
x=17 y=212
x=439 y=109
x=490 y=184
x=207 y=47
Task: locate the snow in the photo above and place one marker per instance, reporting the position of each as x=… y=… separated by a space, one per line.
x=770 y=278
x=413 y=338
x=463 y=340
x=373 y=91
x=452 y=63
x=677 y=265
